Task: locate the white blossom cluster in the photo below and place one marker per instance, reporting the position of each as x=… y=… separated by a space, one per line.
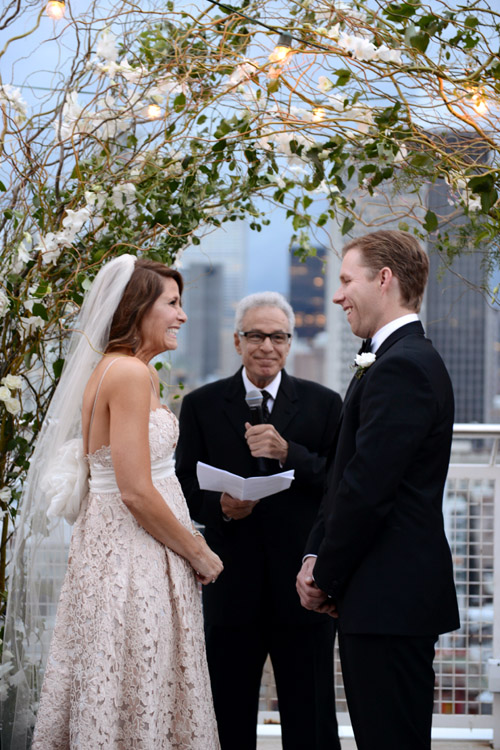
x=459 y=186
x=327 y=9
x=10 y=95
x=4 y=303
x=51 y=244
x=360 y=47
x=8 y=384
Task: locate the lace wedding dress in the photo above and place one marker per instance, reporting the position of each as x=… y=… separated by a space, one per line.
x=127 y=667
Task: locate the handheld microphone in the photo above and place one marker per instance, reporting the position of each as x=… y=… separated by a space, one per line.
x=254 y=401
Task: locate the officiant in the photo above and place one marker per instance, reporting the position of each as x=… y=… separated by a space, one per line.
x=253 y=610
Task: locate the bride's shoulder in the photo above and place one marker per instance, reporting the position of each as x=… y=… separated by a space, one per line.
x=122 y=371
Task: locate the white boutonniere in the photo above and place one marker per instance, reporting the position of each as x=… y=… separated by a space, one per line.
x=362 y=362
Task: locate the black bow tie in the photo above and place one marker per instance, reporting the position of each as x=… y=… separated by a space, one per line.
x=366 y=346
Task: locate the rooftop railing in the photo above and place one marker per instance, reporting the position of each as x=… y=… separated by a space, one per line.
x=467 y=664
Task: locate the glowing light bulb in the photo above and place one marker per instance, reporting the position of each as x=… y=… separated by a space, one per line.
x=282 y=50
x=479 y=104
x=153 y=112
x=55 y=9
x=318 y=114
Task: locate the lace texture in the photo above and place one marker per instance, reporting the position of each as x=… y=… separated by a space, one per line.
x=127 y=667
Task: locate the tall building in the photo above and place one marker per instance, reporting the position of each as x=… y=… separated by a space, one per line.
x=460 y=321
x=307 y=293
x=215 y=276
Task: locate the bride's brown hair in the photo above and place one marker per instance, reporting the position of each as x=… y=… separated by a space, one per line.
x=142 y=291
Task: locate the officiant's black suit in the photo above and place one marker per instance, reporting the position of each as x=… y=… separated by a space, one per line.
x=253 y=608
x=382 y=552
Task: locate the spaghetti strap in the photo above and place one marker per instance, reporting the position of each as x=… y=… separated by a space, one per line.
x=97 y=393
x=99 y=388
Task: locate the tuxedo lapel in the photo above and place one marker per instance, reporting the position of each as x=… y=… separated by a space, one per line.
x=414 y=328
x=235 y=407
x=286 y=405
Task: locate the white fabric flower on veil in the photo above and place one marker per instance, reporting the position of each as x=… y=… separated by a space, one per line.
x=66 y=481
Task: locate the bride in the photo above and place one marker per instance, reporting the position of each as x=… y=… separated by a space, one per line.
x=126 y=666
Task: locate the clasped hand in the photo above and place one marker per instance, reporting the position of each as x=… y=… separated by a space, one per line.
x=311 y=597
x=265 y=441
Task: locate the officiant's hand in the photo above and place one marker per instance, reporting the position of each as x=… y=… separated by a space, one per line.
x=236 y=509
x=264 y=440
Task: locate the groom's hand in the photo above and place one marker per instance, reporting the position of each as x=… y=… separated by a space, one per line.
x=236 y=509
x=311 y=597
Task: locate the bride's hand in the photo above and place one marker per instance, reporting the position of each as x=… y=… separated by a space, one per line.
x=207 y=565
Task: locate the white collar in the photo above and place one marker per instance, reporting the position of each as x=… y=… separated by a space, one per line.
x=271 y=388
x=384 y=332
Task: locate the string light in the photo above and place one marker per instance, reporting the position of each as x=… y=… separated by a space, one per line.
x=55 y=9
x=479 y=104
x=282 y=50
x=318 y=114
x=153 y=112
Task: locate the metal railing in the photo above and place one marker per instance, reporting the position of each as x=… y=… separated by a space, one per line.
x=465 y=697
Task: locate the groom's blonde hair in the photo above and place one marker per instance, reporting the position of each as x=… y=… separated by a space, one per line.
x=403 y=254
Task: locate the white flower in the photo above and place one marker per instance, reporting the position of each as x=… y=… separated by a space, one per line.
x=4 y=303
x=132 y=75
x=4 y=393
x=11 y=95
x=123 y=195
x=279 y=181
x=324 y=84
x=334 y=32
x=12 y=381
x=5 y=494
x=95 y=199
x=106 y=46
x=363 y=362
x=474 y=204
x=31 y=324
x=22 y=252
x=243 y=72
x=74 y=220
x=12 y=405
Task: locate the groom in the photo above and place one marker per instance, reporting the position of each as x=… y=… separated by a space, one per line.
x=377 y=557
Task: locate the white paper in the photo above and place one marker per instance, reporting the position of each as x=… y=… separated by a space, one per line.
x=252 y=488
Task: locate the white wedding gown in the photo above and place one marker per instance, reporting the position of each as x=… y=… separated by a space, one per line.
x=127 y=667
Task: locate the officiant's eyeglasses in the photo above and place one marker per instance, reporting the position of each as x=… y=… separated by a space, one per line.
x=258 y=337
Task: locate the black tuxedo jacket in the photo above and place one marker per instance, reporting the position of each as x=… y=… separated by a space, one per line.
x=261 y=553
x=382 y=551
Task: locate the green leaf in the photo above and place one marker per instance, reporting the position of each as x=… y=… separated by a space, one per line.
x=162 y=217
x=343 y=77
x=39 y=309
x=347 y=225
x=179 y=102
x=219 y=146
x=2 y=187
x=57 y=367
x=481 y=184
x=430 y=222
x=471 y=22
x=400 y=12
x=418 y=40
x=273 y=86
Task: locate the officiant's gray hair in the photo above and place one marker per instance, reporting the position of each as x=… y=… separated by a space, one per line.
x=263 y=299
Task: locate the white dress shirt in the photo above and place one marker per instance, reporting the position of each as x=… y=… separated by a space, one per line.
x=384 y=332
x=272 y=388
